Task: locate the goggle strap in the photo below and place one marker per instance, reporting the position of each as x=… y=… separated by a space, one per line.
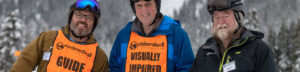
x=139 y=0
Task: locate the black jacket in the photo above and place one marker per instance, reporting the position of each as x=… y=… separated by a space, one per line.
x=249 y=53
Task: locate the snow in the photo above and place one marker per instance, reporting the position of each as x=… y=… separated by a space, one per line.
x=199 y=6
x=297 y=66
x=243 y=1
x=168 y=7
x=297 y=53
x=17 y=34
x=183 y=25
x=38 y=16
x=16 y=2
x=16 y=12
x=208 y=25
x=19 y=24
x=284 y=62
x=3 y=50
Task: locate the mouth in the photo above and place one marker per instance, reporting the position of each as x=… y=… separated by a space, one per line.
x=222 y=27
x=145 y=15
x=81 y=25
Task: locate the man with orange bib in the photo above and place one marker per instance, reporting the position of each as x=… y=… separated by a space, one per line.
x=71 y=49
x=151 y=43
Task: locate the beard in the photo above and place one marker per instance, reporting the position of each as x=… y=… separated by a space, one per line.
x=223 y=31
x=80 y=31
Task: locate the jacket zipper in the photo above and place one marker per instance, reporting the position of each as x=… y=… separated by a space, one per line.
x=221 y=64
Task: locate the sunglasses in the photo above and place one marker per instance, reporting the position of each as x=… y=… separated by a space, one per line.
x=87 y=17
x=92 y=4
x=138 y=1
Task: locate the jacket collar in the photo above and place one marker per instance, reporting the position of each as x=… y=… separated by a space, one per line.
x=163 y=27
x=211 y=44
x=66 y=31
x=246 y=36
x=137 y=26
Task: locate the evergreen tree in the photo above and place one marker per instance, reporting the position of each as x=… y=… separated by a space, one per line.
x=10 y=39
x=272 y=39
x=252 y=20
x=196 y=21
x=286 y=47
x=295 y=49
x=284 y=61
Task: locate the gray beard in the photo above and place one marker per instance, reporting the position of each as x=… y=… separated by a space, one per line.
x=224 y=34
x=80 y=32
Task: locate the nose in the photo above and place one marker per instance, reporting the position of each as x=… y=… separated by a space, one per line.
x=83 y=19
x=144 y=9
x=221 y=21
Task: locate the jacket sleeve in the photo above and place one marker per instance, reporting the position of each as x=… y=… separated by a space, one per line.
x=184 y=52
x=114 y=65
x=30 y=56
x=196 y=64
x=101 y=62
x=264 y=61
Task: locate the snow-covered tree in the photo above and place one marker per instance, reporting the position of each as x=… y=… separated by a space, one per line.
x=10 y=39
x=287 y=48
x=251 y=21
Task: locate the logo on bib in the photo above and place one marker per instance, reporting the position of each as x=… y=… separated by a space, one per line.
x=60 y=45
x=134 y=45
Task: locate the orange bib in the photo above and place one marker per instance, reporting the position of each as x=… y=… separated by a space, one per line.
x=146 y=54
x=68 y=56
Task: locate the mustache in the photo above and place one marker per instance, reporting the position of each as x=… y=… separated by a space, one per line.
x=221 y=26
x=218 y=27
x=81 y=22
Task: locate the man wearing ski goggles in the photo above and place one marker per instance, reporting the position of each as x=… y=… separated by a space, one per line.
x=72 y=48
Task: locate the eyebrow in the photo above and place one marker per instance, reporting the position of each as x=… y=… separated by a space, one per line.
x=226 y=12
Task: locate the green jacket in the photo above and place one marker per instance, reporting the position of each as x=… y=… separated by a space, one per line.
x=32 y=55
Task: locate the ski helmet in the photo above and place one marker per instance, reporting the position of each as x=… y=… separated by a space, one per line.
x=221 y=5
x=90 y=5
x=157 y=2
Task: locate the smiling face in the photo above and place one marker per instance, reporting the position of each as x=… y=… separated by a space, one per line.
x=82 y=22
x=224 y=24
x=145 y=11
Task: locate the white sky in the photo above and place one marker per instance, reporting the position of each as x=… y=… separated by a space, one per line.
x=168 y=7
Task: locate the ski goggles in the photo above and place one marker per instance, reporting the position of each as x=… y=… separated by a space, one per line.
x=93 y=4
x=138 y=1
x=222 y=4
